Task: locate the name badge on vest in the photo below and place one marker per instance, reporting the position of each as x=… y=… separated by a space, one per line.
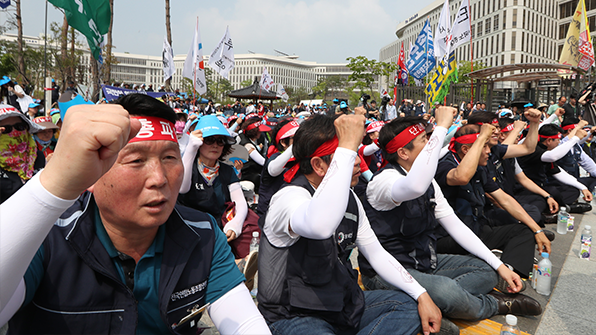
x=200 y=186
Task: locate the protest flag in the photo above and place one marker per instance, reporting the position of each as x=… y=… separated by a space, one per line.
x=422 y=58
x=266 y=81
x=460 y=30
x=578 y=49
x=281 y=92
x=167 y=58
x=194 y=67
x=222 y=58
x=444 y=75
x=90 y=18
x=442 y=40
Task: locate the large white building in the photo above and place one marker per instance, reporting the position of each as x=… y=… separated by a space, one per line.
x=138 y=69
x=503 y=31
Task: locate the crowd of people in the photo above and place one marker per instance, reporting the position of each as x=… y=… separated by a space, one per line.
x=137 y=215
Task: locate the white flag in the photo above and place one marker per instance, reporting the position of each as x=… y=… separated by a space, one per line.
x=222 y=58
x=266 y=81
x=167 y=58
x=281 y=92
x=383 y=92
x=194 y=68
x=461 y=26
x=443 y=32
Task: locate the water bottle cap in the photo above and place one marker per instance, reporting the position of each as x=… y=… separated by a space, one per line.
x=511 y=320
x=545 y=255
x=255 y=234
x=588 y=227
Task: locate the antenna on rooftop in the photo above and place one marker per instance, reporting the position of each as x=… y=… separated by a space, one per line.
x=281 y=53
x=251 y=52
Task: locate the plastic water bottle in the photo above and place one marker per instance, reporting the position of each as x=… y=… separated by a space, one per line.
x=585 y=249
x=562 y=221
x=254 y=243
x=510 y=327
x=544 y=275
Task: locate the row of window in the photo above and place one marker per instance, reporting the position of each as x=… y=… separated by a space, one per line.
x=565 y=27
x=568 y=9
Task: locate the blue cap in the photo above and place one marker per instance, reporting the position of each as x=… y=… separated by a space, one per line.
x=529 y=104
x=77 y=100
x=335 y=100
x=545 y=255
x=343 y=104
x=33 y=105
x=210 y=125
x=4 y=80
x=53 y=80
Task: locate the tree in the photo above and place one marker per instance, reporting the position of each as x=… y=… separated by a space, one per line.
x=20 y=57
x=296 y=94
x=321 y=88
x=65 y=65
x=109 y=58
x=169 y=36
x=464 y=67
x=365 y=71
x=246 y=83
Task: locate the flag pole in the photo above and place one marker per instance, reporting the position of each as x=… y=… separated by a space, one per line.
x=194 y=82
x=426 y=52
x=471 y=58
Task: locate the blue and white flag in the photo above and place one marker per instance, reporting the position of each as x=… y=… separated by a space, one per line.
x=422 y=58
x=4 y=3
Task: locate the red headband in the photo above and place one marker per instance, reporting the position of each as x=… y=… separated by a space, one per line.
x=154 y=129
x=253 y=126
x=508 y=128
x=287 y=130
x=325 y=149
x=551 y=136
x=569 y=126
x=405 y=137
x=494 y=122
x=464 y=139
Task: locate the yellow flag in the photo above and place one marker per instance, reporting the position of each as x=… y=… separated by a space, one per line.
x=578 y=49
x=444 y=75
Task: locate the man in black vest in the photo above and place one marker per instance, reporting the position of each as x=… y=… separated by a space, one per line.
x=306 y=281
x=541 y=166
x=464 y=181
x=405 y=205
x=124 y=258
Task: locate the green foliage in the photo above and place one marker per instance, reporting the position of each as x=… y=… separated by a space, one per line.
x=327 y=86
x=246 y=83
x=464 y=67
x=7 y=65
x=365 y=71
x=296 y=94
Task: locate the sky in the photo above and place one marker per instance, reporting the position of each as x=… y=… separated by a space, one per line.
x=323 y=31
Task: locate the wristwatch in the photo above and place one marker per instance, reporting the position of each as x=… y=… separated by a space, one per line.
x=547 y=197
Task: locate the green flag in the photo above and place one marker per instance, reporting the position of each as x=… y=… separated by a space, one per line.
x=90 y=17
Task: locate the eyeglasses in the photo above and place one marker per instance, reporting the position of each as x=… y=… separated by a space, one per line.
x=212 y=140
x=19 y=126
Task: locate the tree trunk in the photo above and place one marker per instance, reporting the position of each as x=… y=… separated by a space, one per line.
x=73 y=70
x=169 y=35
x=63 y=51
x=20 y=57
x=108 y=60
x=94 y=79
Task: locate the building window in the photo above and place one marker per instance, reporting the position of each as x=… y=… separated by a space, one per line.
x=504 y=19
x=563 y=31
x=522 y=42
x=513 y=40
x=487 y=26
x=496 y=23
x=479 y=29
x=514 y=19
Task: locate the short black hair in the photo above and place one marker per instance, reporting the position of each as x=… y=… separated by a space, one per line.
x=505 y=121
x=143 y=105
x=481 y=117
x=549 y=130
x=465 y=130
x=392 y=129
x=568 y=121
x=312 y=133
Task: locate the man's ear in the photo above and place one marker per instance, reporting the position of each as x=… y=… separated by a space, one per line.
x=319 y=166
x=465 y=149
x=403 y=154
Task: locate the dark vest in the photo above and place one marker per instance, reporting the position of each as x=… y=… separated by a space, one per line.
x=82 y=293
x=569 y=162
x=10 y=182
x=251 y=169
x=202 y=197
x=406 y=232
x=469 y=202
x=319 y=280
x=503 y=172
x=269 y=185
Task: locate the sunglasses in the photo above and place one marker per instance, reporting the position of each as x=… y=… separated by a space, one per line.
x=212 y=140
x=19 y=127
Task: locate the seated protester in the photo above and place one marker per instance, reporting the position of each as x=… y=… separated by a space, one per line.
x=279 y=153
x=208 y=184
x=369 y=149
x=124 y=258
x=256 y=144
x=576 y=157
x=531 y=196
x=306 y=281
x=405 y=205
x=19 y=159
x=45 y=138
x=464 y=181
x=541 y=165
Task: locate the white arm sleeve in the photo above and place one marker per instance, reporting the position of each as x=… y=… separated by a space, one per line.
x=237 y=196
x=549 y=120
x=367 y=175
x=570 y=180
x=236 y=313
x=13 y=304
x=422 y=172
x=276 y=166
x=558 y=152
x=370 y=149
x=233 y=127
x=587 y=163
x=256 y=156
x=25 y=220
x=318 y=218
x=468 y=240
x=188 y=158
